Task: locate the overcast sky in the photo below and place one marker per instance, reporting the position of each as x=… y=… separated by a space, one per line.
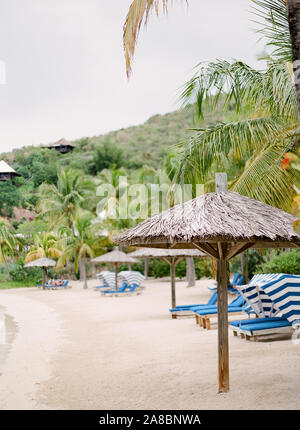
x=65 y=72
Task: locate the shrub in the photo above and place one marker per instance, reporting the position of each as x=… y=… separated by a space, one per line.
x=284 y=262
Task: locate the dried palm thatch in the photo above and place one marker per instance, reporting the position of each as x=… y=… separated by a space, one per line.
x=213 y=217
x=62 y=142
x=41 y=262
x=115 y=256
x=170 y=256
x=138 y=13
x=160 y=252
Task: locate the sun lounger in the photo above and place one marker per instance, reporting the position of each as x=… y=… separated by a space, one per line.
x=55 y=287
x=133 y=289
x=188 y=310
x=238 y=279
x=253 y=328
x=113 y=291
x=204 y=315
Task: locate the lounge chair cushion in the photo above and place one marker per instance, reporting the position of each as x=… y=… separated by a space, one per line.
x=266 y=325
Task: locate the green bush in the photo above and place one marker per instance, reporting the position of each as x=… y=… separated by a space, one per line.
x=284 y=262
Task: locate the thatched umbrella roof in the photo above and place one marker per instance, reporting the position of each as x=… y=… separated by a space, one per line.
x=41 y=262
x=170 y=256
x=160 y=252
x=225 y=216
x=115 y=256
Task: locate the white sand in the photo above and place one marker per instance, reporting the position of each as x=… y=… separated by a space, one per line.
x=78 y=350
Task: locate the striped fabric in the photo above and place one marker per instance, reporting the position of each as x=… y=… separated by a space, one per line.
x=274 y=294
x=107 y=278
x=284 y=291
x=256 y=297
x=131 y=277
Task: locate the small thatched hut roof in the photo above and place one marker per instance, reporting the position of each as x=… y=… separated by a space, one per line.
x=115 y=257
x=212 y=217
x=41 y=262
x=62 y=142
x=160 y=252
x=6 y=169
x=63 y=146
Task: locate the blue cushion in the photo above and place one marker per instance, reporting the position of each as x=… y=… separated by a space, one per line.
x=253 y=321
x=266 y=325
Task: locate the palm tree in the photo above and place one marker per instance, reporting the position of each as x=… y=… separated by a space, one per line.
x=9 y=242
x=266 y=124
x=294 y=29
x=44 y=245
x=80 y=241
x=140 y=10
x=58 y=203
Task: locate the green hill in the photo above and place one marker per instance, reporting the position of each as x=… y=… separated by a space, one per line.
x=132 y=147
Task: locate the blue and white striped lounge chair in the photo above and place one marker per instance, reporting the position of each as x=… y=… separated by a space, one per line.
x=122 y=291
x=132 y=277
x=110 y=292
x=255 y=327
x=237 y=306
x=188 y=310
x=276 y=299
x=238 y=279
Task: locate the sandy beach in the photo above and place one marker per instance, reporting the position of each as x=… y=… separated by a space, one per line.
x=77 y=350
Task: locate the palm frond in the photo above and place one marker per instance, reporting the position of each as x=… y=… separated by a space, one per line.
x=138 y=15
x=269 y=92
x=273 y=25
x=216 y=144
x=264 y=180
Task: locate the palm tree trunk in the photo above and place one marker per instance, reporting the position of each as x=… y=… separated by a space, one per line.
x=81 y=269
x=190 y=272
x=244 y=265
x=146 y=267
x=83 y=273
x=294 y=26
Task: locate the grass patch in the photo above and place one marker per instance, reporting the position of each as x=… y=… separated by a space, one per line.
x=5 y=285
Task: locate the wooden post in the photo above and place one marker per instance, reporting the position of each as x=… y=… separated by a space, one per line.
x=116 y=276
x=223 y=349
x=44 y=277
x=172 y=270
x=146 y=267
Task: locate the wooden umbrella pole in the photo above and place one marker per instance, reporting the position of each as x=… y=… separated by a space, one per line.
x=116 y=275
x=173 y=292
x=146 y=267
x=223 y=349
x=44 y=276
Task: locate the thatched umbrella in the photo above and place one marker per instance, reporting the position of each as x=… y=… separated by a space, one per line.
x=170 y=256
x=115 y=257
x=43 y=263
x=222 y=224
